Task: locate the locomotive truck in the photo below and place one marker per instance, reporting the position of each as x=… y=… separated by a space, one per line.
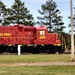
x=30 y=38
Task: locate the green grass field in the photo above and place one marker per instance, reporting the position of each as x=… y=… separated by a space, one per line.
x=34 y=58
x=36 y=70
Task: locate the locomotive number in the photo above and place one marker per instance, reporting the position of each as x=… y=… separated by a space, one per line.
x=42 y=37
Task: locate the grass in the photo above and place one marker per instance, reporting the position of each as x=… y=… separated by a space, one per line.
x=38 y=70
x=34 y=58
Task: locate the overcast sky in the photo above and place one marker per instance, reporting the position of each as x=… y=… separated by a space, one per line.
x=34 y=5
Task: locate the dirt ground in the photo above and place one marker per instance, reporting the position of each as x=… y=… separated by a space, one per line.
x=40 y=64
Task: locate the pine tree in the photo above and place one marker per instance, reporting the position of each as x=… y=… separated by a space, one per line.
x=50 y=16
x=19 y=14
x=2 y=13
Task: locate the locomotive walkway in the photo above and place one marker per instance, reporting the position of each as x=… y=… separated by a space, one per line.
x=40 y=64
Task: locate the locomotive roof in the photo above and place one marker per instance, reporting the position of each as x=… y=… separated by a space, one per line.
x=41 y=27
x=23 y=26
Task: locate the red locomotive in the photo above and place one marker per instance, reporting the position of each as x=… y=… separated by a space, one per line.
x=32 y=39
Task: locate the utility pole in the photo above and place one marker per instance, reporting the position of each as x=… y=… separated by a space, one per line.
x=72 y=33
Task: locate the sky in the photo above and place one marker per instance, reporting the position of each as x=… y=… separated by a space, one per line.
x=35 y=5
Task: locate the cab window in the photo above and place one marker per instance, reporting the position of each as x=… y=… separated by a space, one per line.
x=42 y=32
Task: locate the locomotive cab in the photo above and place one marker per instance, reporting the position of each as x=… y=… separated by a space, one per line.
x=41 y=35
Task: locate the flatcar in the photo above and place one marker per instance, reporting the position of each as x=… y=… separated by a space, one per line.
x=30 y=38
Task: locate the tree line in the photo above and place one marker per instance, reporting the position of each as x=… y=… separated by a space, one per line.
x=18 y=13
